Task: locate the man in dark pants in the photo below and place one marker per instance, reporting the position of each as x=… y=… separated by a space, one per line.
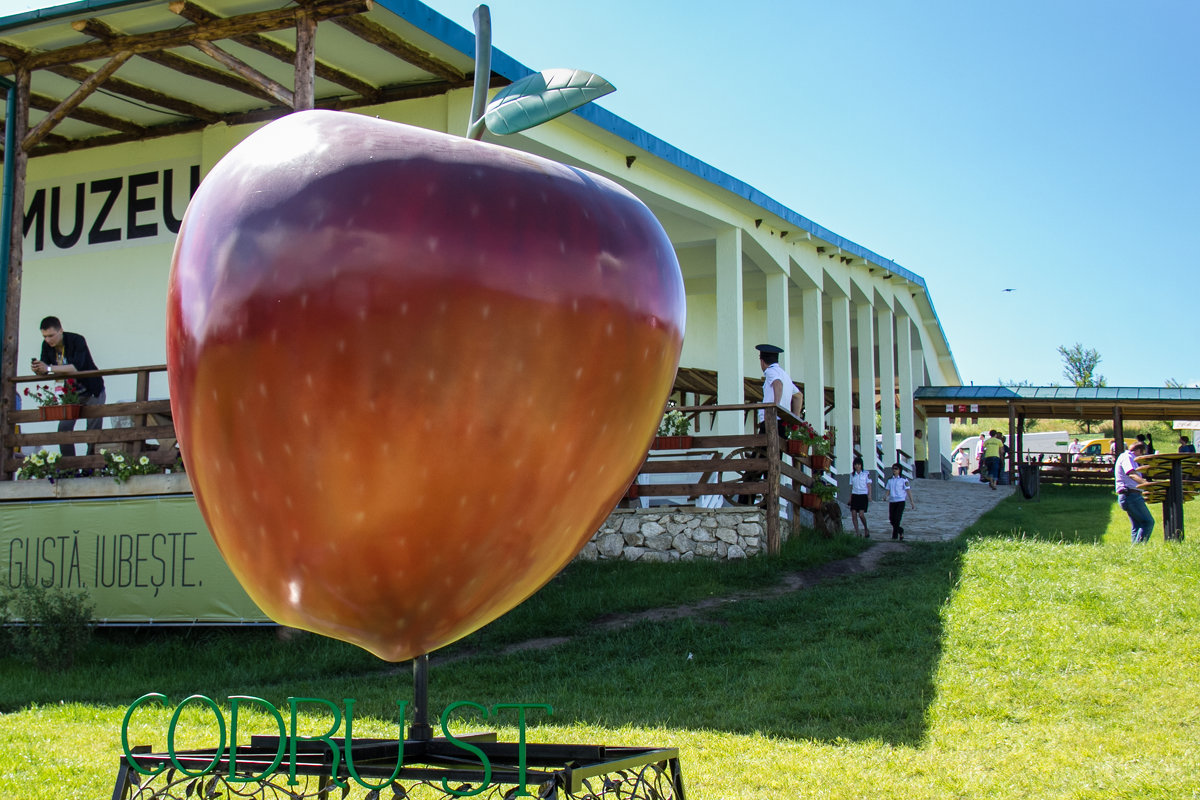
x=1129 y=493
x=63 y=354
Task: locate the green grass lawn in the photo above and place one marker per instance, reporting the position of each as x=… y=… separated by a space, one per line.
x=1040 y=655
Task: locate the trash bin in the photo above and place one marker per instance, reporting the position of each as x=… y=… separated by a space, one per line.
x=1030 y=478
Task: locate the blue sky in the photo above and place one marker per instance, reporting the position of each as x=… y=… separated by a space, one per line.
x=1046 y=147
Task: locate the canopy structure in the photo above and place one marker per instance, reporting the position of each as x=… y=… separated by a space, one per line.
x=1059 y=402
x=1017 y=403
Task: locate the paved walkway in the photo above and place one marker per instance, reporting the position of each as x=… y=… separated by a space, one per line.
x=944 y=510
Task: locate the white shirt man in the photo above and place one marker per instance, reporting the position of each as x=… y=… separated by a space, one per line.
x=777 y=385
x=1074 y=450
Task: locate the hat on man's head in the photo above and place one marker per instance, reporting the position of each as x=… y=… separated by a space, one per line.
x=768 y=348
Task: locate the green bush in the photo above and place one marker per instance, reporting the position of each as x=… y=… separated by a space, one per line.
x=55 y=625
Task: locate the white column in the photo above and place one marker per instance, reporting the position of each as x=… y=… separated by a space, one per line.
x=777 y=317
x=842 y=416
x=939 y=443
x=812 y=370
x=887 y=384
x=730 y=337
x=905 y=367
x=866 y=384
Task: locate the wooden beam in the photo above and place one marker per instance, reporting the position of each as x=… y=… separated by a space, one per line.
x=100 y=30
x=306 y=34
x=104 y=120
x=140 y=93
x=274 y=88
x=282 y=52
x=74 y=99
x=388 y=94
x=16 y=251
x=230 y=28
x=384 y=39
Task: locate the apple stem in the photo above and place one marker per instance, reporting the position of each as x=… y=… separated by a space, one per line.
x=483 y=71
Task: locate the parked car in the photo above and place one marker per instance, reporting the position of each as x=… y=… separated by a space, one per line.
x=1097 y=450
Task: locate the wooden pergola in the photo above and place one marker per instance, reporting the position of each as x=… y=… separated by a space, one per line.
x=1018 y=403
x=184 y=67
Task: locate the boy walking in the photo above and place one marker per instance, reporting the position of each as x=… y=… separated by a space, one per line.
x=898 y=491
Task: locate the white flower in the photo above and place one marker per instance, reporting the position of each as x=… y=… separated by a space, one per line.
x=120 y=459
x=143 y=461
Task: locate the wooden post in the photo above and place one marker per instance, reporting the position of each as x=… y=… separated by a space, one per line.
x=1118 y=430
x=771 y=496
x=1021 y=438
x=1173 y=505
x=1012 y=439
x=306 y=32
x=12 y=304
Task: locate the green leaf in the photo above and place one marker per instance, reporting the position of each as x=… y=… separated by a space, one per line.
x=541 y=97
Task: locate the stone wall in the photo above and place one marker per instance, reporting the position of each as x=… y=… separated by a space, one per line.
x=666 y=533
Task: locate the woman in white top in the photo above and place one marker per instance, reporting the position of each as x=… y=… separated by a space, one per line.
x=860 y=490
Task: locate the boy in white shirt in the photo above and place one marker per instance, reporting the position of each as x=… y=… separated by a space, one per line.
x=898 y=492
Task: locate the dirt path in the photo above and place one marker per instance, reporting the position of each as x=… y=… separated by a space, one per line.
x=866 y=561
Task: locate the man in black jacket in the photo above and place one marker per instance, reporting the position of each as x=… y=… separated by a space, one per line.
x=64 y=353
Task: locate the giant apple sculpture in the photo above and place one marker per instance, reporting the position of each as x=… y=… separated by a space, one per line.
x=411 y=373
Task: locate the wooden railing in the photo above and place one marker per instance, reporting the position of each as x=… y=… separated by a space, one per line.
x=751 y=468
x=151 y=420
x=1059 y=468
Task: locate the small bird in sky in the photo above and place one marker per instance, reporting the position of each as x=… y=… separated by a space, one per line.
x=1007 y=290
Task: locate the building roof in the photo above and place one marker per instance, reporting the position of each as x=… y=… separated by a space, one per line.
x=1059 y=402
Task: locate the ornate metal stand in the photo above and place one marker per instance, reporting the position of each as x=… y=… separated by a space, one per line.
x=432 y=768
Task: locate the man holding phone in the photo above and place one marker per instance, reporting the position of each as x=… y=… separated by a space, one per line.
x=63 y=354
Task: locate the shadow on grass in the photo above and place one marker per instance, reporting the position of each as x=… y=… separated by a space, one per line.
x=853 y=659
x=1072 y=514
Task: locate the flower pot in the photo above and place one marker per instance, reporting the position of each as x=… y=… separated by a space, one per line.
x=810 y=501
x=672 y=442
x=61 y=411
x=795 y=447
x=819 y=462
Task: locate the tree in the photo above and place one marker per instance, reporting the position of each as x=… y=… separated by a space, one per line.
x=1079 y=367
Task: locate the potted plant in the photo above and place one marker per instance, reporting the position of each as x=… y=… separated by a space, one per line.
x=122 y=469
x=61 y=402
x=40 y=465
x=673 y=432
x=801 y=439
x=825 y=492
x=821 y=448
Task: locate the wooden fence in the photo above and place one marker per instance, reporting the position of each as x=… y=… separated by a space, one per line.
x=750 y=469
x=151 y=420
x=1059 y=468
